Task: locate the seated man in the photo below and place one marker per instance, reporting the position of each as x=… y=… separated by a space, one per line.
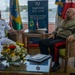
x=3 y=27
x=57 y=39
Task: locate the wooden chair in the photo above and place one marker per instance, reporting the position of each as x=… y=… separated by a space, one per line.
x=13 y=36
x=67 y=52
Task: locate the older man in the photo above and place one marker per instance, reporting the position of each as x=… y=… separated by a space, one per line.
x=57 y=39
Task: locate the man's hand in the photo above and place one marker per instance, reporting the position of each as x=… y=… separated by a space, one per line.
x=51 y=36
x=70 y=38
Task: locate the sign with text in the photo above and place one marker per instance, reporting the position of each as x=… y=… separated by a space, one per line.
x=37 y=14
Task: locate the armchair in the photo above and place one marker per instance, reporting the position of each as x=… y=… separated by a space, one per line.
x=13 y=36
x=67 y=52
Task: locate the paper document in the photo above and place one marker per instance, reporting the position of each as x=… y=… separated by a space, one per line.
x=38 y=56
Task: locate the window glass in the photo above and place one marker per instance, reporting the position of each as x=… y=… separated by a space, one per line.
x=23 y=10
x=52 y=10
x=4 y=7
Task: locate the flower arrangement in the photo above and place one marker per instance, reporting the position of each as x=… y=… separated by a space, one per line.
x=14 y=52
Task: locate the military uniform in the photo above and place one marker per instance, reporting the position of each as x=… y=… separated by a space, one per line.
x=3 y=27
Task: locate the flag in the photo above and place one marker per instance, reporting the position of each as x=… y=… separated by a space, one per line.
x=60 y=4
x=15 y=14
x=37 y=23
x=31 y=23
x=73 y=4
x=67 y=4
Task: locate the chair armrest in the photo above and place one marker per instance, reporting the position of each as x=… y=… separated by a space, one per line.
x=70 y=49
x=13 y=36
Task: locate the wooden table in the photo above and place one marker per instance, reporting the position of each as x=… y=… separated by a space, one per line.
x=28 y=68
x=28 y=35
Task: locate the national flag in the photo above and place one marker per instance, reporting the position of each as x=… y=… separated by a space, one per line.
x=31 y=23
x=67 y=4
x=15 y=13
x=60 y=4
x=73 y=4
x=37 y=23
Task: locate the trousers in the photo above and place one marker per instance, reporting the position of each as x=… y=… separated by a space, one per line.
x=54 y=45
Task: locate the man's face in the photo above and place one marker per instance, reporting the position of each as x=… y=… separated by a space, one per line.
x=69 y=14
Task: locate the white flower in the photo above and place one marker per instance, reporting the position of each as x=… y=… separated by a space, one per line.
x=18 y=49
x=14 y=52
x=14 y=58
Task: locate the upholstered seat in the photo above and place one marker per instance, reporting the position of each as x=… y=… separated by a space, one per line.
x=62 y=52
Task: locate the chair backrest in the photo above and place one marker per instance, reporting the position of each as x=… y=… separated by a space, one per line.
x=69 y=51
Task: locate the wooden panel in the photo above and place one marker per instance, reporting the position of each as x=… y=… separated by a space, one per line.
x=18 y=73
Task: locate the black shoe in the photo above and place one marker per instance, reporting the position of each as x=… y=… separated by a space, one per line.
x=72 y=73
x=55 y=67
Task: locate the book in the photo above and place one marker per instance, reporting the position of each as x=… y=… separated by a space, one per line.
x=41 y=30
x=39 y=58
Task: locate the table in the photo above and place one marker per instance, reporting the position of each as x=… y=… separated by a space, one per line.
x=28 y=35
x=28 y=68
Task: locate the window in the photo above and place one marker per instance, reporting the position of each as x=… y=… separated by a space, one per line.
x=52 y=10
x=4 y=4
x=4 y=7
